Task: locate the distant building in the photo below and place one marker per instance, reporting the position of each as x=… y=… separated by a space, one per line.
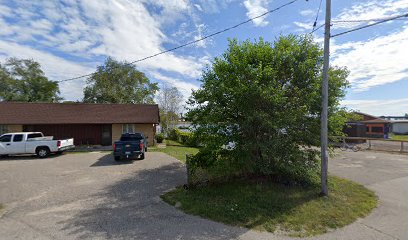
x=399 y=127
x=369 y=126
x=394 y=117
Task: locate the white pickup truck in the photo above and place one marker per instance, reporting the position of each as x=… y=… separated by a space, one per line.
x=32 y=143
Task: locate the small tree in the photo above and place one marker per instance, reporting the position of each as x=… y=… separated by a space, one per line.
x=119 y=82
x=23 y=80
x=265 y=98
x=169 y=100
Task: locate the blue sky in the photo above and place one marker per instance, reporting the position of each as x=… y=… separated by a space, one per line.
x=70 y=38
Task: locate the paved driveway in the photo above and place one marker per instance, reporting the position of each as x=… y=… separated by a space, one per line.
x=90 y=196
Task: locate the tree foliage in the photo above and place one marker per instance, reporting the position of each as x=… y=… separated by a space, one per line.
x=169 y=100
x=119 y=82
x=266 y=99
x=23 y=80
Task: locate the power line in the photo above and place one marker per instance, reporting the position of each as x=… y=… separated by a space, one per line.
x=314 y=30
x=195 y=41
x=364 y=20
x=370 y=25
x=317 y=16
x=339 y=22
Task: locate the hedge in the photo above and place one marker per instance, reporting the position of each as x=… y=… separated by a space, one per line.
x=185 y=138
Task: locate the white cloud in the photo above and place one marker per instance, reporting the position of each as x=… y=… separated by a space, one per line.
x=170 y=11
x=199 y=8
x=51 y=32
x=374 y=62
x=213 y=6
x=303 y=26
x=123 y=29
x=395 y=107
x=370 y=10
x=256 y=8
x=307 y=13
x=200 y=34
x=5 y=11
x=184 y=87
x=55 y=68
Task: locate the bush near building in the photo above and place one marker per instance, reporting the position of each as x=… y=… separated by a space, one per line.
x=185 y=138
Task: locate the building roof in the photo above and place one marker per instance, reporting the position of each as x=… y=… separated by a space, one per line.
x=376 y=121
x=77 y=113
x=367 y=118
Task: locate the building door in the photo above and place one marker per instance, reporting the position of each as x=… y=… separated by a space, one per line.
x=106 y=135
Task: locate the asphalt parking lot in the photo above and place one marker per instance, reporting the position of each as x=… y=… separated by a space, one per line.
x=90 y=196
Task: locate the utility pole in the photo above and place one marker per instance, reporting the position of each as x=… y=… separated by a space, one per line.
x=325 y=101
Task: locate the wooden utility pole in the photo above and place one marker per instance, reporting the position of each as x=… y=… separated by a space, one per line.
x=325 y=101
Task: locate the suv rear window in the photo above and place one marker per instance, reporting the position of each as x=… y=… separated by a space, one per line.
x=131 y=137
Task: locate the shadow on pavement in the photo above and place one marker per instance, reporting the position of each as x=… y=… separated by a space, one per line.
x=27 y=157
x=108 y=160
x=132 y=209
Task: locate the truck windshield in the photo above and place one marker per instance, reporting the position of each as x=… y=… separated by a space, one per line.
x=131 y=137
x=5 y=138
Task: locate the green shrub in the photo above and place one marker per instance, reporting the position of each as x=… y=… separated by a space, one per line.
x=173 y=134
x=185 y=138
x=159 y=138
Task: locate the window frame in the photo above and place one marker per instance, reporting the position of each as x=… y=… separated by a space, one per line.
x=127 y=126
x=15 y=135
x=377 y=129
x=6 y=135
x=29 y=136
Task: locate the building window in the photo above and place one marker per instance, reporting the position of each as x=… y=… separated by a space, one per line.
x=3 y=129
x=377 y=129
x=128 y=128
x=367 y=129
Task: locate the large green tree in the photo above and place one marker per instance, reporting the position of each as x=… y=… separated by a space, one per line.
x=23 y=80
x=119 y=82
x=266 y=98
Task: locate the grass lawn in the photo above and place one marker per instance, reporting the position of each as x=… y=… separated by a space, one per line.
x=176 y=150
x=399 y=137
x=297 y=211
x=172 y=143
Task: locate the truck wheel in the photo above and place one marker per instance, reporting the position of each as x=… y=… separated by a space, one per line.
x=117 y=158
x=42 y=152
x=142 y=156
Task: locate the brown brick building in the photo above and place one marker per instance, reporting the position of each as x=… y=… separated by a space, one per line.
x=88 y=124
x=368 y=126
